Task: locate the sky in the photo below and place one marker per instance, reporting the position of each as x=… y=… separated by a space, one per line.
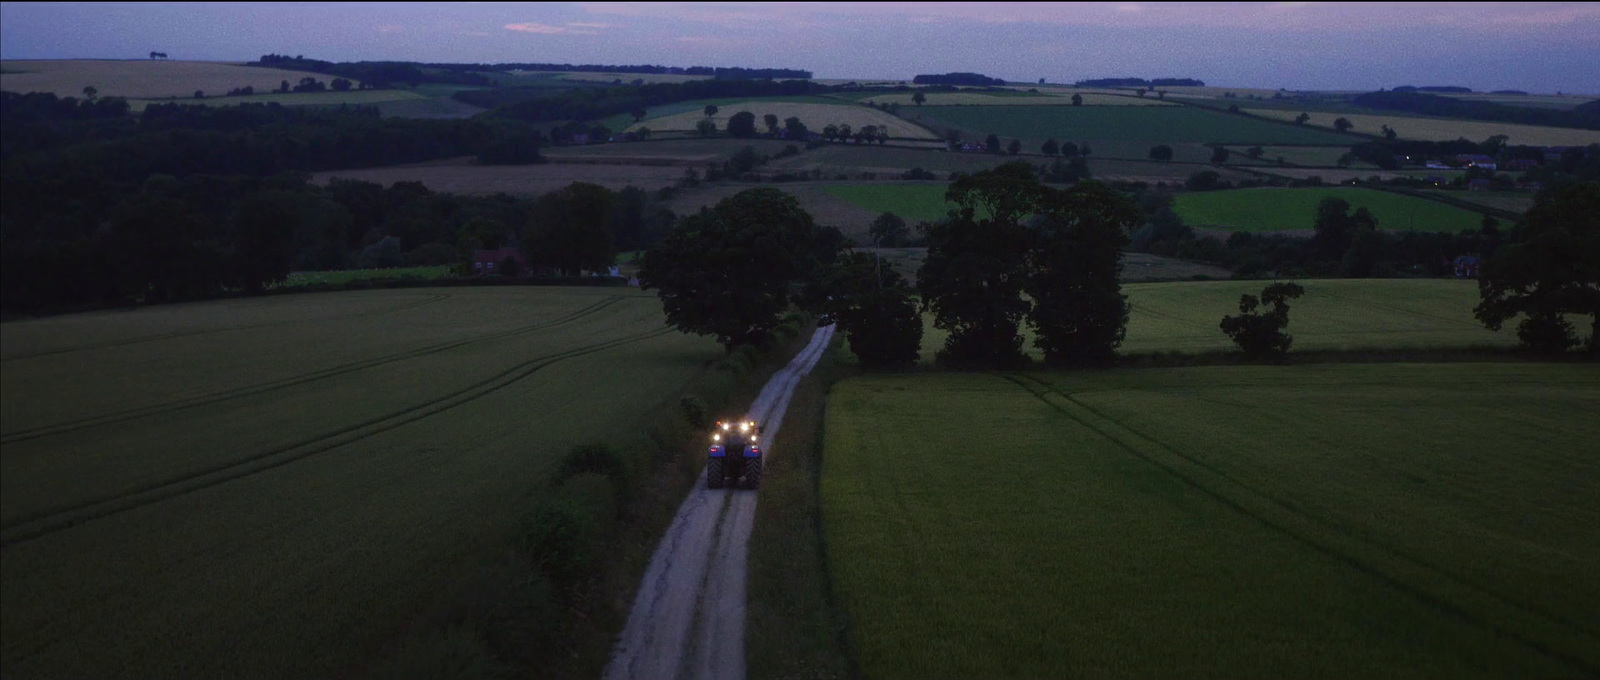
x=1536 y=47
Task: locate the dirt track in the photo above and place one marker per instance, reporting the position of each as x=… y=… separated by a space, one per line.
x=688 y=617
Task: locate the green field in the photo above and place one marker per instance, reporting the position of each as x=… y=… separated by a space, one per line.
x=279 y=486
x=912 y=202
x=1334 y=314
x=348 y=275
x=1400 y=520
x=1119 y=132
x=1278 y=209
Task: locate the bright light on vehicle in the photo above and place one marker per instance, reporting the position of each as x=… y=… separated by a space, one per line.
x=716 y=437
x=744 y=427
x=724 y=426
x=752 y=439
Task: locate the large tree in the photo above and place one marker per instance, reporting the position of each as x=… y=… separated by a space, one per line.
x=1079 y=312
x=732 y=270
x=742 y=124
x=569 y=230
x=977 y=266
x=1549 y=268
x=873 y=306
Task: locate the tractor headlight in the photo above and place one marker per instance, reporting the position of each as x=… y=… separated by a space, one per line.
x=724 y=426
x=752 y=439
x=716 y=437
x=744 y=427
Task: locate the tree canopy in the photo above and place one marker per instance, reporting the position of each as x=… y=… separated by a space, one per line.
x=1549 y=268
x=732 y=270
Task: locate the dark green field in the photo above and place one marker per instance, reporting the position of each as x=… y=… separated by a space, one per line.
x=1120 y=132
x=1280 y=209
x=1401 y=520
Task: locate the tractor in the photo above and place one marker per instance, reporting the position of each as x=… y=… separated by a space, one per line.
x=734 y=455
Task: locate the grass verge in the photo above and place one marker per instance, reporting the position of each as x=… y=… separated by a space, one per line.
x=793 y=629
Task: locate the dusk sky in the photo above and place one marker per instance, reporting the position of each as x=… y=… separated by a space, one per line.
x=1538 y=47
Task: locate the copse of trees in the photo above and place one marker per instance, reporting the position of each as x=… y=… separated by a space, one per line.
x=874 y=309
x=1140 y=82
x=1009 y=235
x=977 y=79
x=731 y=271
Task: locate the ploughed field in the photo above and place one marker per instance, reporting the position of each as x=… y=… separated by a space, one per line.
x=1335 y=520
x=279 y=486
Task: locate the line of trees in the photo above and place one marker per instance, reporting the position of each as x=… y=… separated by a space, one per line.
x=1140 y=82
x=541 y=104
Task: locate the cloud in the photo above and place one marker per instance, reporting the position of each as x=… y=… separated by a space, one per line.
x=390 y=28
x=579 y=24
x=547 y=29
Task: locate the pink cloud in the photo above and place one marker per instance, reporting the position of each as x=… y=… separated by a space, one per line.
x=547 y=29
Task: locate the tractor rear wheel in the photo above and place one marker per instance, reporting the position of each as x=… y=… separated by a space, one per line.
x=752 y=473
x=714 y=474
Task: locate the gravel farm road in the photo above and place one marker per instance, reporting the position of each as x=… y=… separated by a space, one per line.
x=687 y=620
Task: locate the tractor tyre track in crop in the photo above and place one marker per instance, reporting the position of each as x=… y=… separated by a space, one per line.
x=52 y=520
x=186 y=334
x=260 y=388
x=687 y=620
x=1429 y=584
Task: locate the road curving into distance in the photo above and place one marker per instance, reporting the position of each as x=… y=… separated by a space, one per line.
x=688 y=617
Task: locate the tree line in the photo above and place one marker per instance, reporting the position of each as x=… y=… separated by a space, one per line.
x=1140 y=82
x=541 y=104
x=99 y=207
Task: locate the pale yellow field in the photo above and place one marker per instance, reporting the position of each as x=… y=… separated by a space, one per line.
x=980 y=99
x=1437 y=130
x=815 y=116
x=142 y=79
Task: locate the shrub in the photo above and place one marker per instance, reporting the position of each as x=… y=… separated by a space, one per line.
x=453 y=652
x=1261 y=334
x=567 y=532
x=597 y=459
x=695 y=412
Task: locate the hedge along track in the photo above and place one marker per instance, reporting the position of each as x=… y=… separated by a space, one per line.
x=51 y=521
x=259 y=388
x=1552 y=635
x=185 y=334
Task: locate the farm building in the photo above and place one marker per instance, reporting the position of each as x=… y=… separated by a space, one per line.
x=1473 y=160
x=1521 y=164
x=488 y=261
x=1466 y=266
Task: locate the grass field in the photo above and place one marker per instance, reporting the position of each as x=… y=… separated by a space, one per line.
x=140 y=78
x=1119 y=132
x=1389 y=520
x=815 y=112
x=1282 y=209
x=1440 y=129
x=1334 y=314
x=348 y=275
x=982 y=99
x=912 y=202
x=276 y=486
